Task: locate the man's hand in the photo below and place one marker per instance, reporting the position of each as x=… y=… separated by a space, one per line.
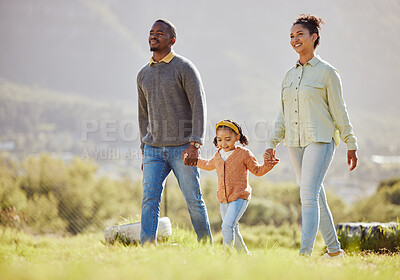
x=352 y=159
x=190 y=155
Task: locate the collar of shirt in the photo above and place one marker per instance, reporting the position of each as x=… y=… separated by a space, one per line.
x=313 y=61
x=222 y=152
x=225 y=155
x=166 y=59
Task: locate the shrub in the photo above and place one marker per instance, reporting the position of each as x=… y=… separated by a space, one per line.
x=44 y=194
x=383 y=206
x=393 y=194
x=13 y=202
x=388 y=183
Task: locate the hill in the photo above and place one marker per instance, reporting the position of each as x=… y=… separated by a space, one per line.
x=95 y=48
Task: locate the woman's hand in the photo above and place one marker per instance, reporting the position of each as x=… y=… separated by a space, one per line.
x=269 y=156
x=352 y=159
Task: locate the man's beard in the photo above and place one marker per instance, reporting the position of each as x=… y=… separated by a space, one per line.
x=153 y=49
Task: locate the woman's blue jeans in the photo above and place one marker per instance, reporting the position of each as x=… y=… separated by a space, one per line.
x=157 y=164
x=310 y=165
x=231 y=213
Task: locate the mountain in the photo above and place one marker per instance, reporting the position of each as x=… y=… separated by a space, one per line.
x=95 y=48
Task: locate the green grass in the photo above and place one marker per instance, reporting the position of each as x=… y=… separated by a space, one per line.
x=180 y=257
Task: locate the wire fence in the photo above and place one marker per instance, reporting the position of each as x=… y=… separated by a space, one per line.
x=43 y=194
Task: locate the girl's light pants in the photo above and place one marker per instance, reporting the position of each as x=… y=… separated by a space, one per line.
x=231 y=213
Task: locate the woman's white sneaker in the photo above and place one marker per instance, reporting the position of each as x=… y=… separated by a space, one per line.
x=338 y=256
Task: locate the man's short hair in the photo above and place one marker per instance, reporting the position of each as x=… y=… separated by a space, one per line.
x=171 y=27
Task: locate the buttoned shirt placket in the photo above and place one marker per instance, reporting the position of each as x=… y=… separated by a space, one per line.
x=297 y=120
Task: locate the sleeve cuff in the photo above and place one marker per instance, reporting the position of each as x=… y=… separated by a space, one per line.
x=270 y=145
x=196 y=139
x=352 y=146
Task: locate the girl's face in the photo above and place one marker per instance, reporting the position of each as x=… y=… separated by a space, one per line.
x=226 y=139
x=301 y=39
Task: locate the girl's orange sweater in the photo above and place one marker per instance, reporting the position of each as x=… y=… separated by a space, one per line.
x=232 y=173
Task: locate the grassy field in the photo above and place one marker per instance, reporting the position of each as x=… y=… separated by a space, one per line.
x=181 y=257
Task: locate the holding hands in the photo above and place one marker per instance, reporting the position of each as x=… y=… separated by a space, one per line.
x=269 y=157
x=190 y=155
x=352 y=159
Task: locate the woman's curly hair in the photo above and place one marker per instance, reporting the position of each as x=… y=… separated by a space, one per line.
x=312 y=23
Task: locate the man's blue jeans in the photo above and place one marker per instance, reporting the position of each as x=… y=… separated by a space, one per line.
x=157 y=164
x=310 y=165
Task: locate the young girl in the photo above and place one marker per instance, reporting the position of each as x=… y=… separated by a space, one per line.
x=234 y=192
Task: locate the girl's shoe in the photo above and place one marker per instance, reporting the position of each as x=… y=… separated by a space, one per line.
x=339 y=256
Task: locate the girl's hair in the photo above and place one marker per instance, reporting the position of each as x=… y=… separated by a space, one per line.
x=311 y=23
x=244 y=140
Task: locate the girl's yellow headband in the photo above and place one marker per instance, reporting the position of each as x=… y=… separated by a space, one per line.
x=228 y=124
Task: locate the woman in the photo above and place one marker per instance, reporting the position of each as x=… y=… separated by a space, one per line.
x=311 y=118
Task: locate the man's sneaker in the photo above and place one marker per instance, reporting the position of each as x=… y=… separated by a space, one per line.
x=339 y=256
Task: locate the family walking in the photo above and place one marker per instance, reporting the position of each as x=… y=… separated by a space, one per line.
x=312 y=118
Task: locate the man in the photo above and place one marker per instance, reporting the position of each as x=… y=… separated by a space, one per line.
x=172 y=113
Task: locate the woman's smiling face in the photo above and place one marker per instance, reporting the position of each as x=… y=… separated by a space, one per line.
x=301 y=39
